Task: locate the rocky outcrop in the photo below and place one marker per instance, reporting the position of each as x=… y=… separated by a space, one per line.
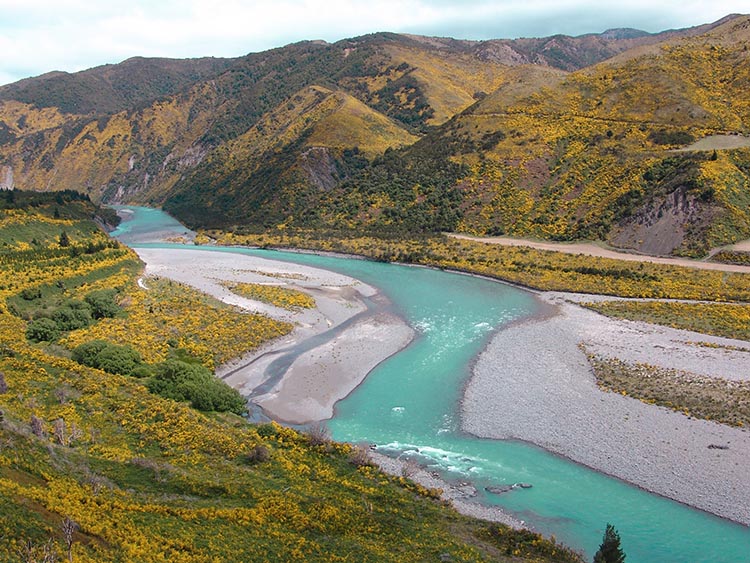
x=319 y=167
x=6 y=178
x=661 y=226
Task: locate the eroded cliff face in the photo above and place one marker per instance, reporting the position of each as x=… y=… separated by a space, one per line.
x=663 y=225
x=6 y=178
x=319 y=167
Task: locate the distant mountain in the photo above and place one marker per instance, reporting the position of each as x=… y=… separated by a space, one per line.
x=559 y=137
x=112 y=88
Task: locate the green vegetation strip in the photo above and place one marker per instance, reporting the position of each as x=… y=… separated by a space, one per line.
x=732 y=257
x=703 y=397
x=718 y=319
x=538 y=269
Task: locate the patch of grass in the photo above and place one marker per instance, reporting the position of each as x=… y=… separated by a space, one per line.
x=719 y=319
x=709 y=398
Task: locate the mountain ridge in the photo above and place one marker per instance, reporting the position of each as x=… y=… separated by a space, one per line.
x=468 y=133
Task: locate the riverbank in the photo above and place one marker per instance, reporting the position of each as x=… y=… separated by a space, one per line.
x=533 y=383
x=336 y=337
x=590 y=249
x=460 y=495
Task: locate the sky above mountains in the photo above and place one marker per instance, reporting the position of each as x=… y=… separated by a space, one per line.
x=38 y=36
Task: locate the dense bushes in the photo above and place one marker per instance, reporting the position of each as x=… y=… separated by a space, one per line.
x=172 y=379
x=72 y=314
x=182 y=381
x=123 y=360
x=42 y=330
x=102 y=303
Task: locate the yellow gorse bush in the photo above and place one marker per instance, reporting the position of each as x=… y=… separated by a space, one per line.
x=278 y=296
x=171 y=314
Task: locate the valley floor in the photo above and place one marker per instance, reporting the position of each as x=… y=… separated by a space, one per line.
x=533 y=382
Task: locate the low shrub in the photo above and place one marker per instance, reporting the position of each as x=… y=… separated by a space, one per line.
x=42 y=330
x=122 y=360
x=196 y=384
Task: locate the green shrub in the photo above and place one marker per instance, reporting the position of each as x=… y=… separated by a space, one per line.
x=42 y=330
x=87 y=352
x=181 y=381
x=31 y=293
x=142 y=371
x=102 y=303
x=122 y=360
x=74 y=315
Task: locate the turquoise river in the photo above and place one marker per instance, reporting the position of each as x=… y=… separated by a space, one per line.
x=409 y=405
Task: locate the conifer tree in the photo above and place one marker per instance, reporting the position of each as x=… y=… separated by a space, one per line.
x=64 y=239
x=610 y=550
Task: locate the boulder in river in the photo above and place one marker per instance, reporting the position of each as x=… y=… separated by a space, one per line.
x=499 y=489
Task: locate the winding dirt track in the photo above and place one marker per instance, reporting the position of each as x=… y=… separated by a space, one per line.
x=594 y=250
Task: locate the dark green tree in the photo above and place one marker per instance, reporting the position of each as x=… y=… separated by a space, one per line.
x=64 y=239
x=610 y=550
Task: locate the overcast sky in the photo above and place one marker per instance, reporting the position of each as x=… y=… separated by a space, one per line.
x=37 y=36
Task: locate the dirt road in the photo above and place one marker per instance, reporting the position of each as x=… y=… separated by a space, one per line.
x=589 y=249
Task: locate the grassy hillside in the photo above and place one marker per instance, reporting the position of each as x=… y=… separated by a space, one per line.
x=588 y=155
x=138 y=148
x=302 y=147
x=96 y=467
x=110 y=89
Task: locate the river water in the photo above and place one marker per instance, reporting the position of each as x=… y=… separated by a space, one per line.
x=409 y=405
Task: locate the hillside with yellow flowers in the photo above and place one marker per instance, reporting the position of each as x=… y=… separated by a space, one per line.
x=585 y=155
x=101 y=461
x=558 y=138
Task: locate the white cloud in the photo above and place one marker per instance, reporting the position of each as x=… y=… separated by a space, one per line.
x=38 y=36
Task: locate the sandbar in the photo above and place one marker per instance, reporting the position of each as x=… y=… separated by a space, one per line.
x=319 y=374
x=534 y=383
